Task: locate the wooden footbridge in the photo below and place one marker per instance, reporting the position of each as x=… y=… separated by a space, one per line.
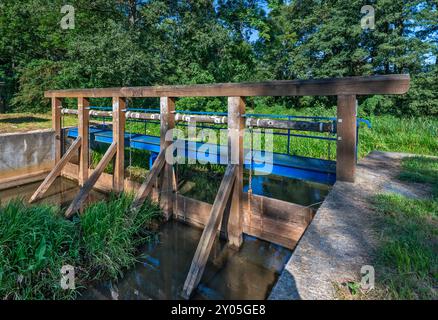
x=233 y=212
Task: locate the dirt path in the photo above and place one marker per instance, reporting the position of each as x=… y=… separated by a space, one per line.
x=342 y=237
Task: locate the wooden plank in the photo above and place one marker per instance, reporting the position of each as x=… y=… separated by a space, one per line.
x=83 y=131
x=88 y=185
x=279 y=210
x=119 y=120
x=105 y=181
x=56 y=126
x=146 y=187
x=56 y=170
x=381 y=84
x=236 y=131
x=346 y=141
x=167 y=109
x=23 y=179
x=209 y=234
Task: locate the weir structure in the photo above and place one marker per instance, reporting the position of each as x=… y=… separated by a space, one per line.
x=234 y=211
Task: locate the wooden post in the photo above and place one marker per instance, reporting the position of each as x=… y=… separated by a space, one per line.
x=236 y=130
x=119 y=105
x=83 y=116
x=56 y=126
x=346 y=142
x=167 y=108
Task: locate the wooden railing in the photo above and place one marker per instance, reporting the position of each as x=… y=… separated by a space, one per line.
x=346 y=90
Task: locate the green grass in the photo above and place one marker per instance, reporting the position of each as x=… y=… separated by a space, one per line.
x=111 y=234
x=388 y=133
x=36 y=241
x=408 y=251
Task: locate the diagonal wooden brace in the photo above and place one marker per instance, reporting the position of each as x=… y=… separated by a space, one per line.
x=146 y=187
x=88 y=185
x=210 y=231
x=56 y=171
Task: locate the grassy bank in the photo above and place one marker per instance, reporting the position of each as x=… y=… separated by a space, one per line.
x=388 y=133
x=408 y=252
x=36 y=241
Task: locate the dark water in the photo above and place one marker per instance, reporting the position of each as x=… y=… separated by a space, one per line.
x=61 y=192
x=297 y=191
x=203 y=186
x=249 y=273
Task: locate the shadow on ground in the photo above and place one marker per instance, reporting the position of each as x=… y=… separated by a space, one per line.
x=19 y=120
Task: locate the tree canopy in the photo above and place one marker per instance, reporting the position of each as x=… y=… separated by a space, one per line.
x=150 y=42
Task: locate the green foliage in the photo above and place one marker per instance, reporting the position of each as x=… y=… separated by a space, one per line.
x=111 y=234
x=128 y=43
x=36 y=241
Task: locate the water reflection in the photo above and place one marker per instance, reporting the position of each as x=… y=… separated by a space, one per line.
x=163 y=266
x=60 y=193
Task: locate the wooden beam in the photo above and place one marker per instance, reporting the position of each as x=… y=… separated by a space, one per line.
x=119 y=121
x=381 y=84
x=88 y=185
x=56 y=126
x=209 y=234
x=83 y=132
x=167 y=109
x=146 y=187
x=56 y=170
x=346 y=141
x=236 y=131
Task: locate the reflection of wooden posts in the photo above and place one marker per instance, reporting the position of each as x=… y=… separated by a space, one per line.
x=56 y=126
x=236 y=130
x=83 y=106
x=346 y=143
x=119 y=106
x=167 y=108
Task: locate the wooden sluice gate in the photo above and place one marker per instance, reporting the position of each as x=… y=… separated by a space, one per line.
x=233 y=212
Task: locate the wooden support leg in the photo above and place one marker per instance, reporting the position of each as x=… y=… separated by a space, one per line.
x=236 y=125
x=167 y=108
x=146 y=187
x=56 y=126
x=210 y=231
x=346 y=143
x=83 y=115
x=56 y=171
x=88 y=185
x=119 y=119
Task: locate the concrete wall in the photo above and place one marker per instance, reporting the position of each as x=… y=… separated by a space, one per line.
x=26 y=156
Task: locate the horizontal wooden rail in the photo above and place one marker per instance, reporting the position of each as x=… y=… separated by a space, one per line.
x=380 y=84
x=314 y=126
